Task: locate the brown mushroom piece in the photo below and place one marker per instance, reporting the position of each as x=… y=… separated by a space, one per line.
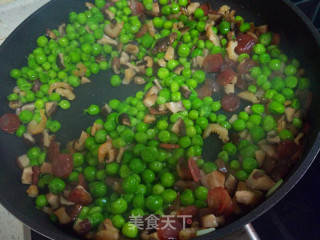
x=51 y=108
x=53 y=200
x=179 y=128
x=113 y=29
x=107 y=40
x=132 y=49
x=185 y=91
x=62 y=216
x=82 y=227
x=116 y=65
x=231 y=184
x=73 y=211
x=151 y=96
x=149 y=118
x=100 y=58
x=209 y=221
x=139 y=80
x=124 y=119
x=162 y=44
x=175 y=107
x=105 y=110
x=60 y=61
x=129 y=74
x=258 y=180
x=23 y=161
x=79 y=145
x=28 y=140
x=50 y=34
x=158 y=110
x=247 y=196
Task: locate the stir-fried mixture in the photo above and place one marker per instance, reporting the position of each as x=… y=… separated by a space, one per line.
x=139 y=171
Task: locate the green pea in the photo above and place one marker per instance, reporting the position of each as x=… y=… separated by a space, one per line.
x=187 y=197
x=41 y=201
x=241 y=175
x=118 y=221
x=167 y=179
x=201 y=193
x=286 y=134
x=56 y=185
x=276 y=107
x=209 y=167
x=119 y=206
x=154 y=203
x=130 y=230
x=248 y=164
x=25 y=116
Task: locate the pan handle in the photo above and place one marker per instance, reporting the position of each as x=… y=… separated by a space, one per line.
x=247 y=232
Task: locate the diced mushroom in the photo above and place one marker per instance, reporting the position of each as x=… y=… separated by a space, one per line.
x=158 y=110
x=223 y=9
x=108 y=231
x=106 y=152
x=218 y=129
x=248 y=96
x=120 y=154
x=60 y=61
x=73 y=210
x=108 y=14
x=151 y=96
x=149 y=61
x=45 y=168
x=209 y=221
x=82 y=227
x=231 y=184
x=23 y=161
x=151 y=28
x=258 y=180
x=273 y=139
x=162 y=44
x=95 y=128
x=178 y=69
x=79 y=144
x=132 y=49
x=62 y=216
x=162 y=63
x=81 y=70
x=29 y=107
x=107 y=40
x=51 y=108
x=192 y=7
x=84 y=80
x=213 y=179
x=47 y=210
x=124 y=58
x=129 y=74
x=64 y=201
x=260 y=156
x=105 y=110
x=289 y=112
x=179 y=128
x=248 y=197
x=124 y=119
x=231 y=50
x=149 y=118
x=50 y=34
x=169 y=53
x=56 y=85
x=113 y=29
x=53 y=200
x=32 y=191
x=15 y=104
x=66 y=93
x=185 y=91
x=212 y=36
x=175 y=107
x=270 y=150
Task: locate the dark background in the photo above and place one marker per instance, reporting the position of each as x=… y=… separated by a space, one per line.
x=297 y=215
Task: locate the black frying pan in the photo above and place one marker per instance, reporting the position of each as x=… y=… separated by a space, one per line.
x=299 y=39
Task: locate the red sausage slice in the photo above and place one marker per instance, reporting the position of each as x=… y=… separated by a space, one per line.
x=169 y=228
x=9 y=122
x=136 y=8
x=219 y=201
x=62 y=165
x=195 y=172
x=212 y=63
x=245 y=43
x=225 y=77
x=230 y=102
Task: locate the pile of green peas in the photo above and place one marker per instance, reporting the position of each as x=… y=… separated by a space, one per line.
x=147 y=170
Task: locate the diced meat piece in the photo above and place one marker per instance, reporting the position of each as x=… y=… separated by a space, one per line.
x=79 y=195
x=62 y=165
x=27 y=175
x=219 y=201
x=212 y=63
x=73 y=210
x=53 y=200
x=62 y=216
x=230 y=102
x=23 y=161
x=82 y=227
x=213 y=180
x=46 y=168
x=258 y=180
x=32 y=191
x=231 y=184
x=209 y=221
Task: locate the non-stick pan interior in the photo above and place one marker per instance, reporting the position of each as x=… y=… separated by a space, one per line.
x=298 y=38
